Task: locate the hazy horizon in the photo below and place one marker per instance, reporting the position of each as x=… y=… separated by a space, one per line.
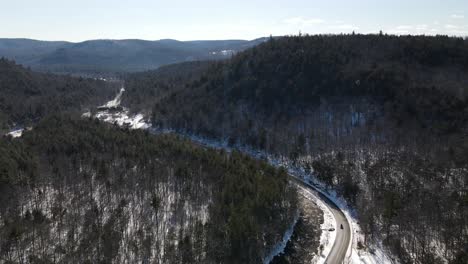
x=53 y=20
x=238 y=39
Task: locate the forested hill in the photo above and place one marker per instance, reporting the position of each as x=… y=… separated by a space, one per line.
x=412 y=84
x=74 y=191
x=107 y=57
x=143 y=88
x=382 y=119
x=422 y=78
x=26 y=96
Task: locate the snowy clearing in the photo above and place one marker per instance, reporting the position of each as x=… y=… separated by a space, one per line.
x=121 y=116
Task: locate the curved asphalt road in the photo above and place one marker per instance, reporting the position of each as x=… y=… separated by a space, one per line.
x=338 y=252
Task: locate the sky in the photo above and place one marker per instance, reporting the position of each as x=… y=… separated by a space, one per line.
x=80 y=20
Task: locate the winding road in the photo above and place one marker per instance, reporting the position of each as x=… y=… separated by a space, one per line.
x=338 y=252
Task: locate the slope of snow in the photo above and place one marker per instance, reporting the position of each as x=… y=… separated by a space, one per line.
x=16 y=133
x=116 y=101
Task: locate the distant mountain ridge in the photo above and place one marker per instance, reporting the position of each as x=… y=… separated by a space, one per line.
x=110 y=56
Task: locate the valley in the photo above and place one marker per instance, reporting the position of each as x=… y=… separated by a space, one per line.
x=344 y=148
x=336 y=243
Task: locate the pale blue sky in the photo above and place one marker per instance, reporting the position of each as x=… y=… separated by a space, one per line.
x=241 y=19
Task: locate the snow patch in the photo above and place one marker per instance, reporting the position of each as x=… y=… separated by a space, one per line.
x=223 y=52
x=86 y=114
x=112 y=113
x=123 y=118
x=16 y=133
x=327 y=238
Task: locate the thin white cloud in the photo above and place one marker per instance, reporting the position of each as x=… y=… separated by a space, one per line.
x=398 y=31
x=301 y=21
x=458 y=33
x=421 y=27
x=449 y=26
x=345 y=27
x=457 y=16
x=401 y=30
x=404 y=27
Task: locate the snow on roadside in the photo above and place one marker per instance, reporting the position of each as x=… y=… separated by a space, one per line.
x=354 y=253
x=327 y=237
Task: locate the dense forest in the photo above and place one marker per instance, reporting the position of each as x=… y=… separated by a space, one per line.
x=419 y=79
x=76 y=190
x=27 y=96
x=143 y=88
x=382 y=119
